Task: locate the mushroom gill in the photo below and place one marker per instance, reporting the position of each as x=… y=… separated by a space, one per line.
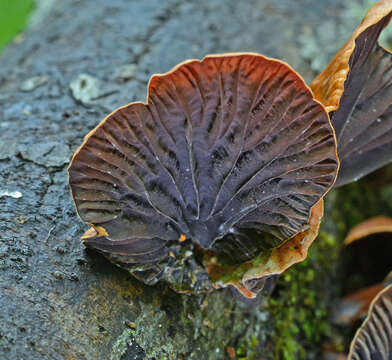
x=216 y=180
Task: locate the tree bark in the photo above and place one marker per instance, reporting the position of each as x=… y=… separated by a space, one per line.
x=83 y=60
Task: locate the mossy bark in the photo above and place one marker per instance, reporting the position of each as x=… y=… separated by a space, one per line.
x=59 y=301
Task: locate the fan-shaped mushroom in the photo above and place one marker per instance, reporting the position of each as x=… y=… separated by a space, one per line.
x=356 y=89
x=373 y=340
x=216 y=180
x=367 y=252
x=376 y=225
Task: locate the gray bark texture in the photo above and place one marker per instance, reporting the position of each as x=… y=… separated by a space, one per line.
x=81 y=61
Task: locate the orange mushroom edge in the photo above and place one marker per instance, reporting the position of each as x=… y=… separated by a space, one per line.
x=274 y=262
x=373 y=340
x=376 y=225
x=328 y=86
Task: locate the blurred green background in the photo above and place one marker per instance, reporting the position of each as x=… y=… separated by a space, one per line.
x=13 y=18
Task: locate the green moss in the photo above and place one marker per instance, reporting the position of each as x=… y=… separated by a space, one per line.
x=300 y=309
x=120 y=346
x=305 y=292
x=13 y=18
x=191 y=327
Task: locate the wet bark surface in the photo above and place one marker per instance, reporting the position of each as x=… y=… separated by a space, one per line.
x=83 y=60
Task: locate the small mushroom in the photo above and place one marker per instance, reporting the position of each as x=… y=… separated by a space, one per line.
x=376 y=225
x=373 y=341
x=356 y=306
x=216 y=180
x=356 y=90
x=367 y=249
x=366 y=253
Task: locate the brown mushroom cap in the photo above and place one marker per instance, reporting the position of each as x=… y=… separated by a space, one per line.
x=355 y=306
x=371 y=259
x=356 y=89
x=328 y=86
x=229 y=154
x=376 y=225
x=373 y=341
x=366 y=256
x=267 y=263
